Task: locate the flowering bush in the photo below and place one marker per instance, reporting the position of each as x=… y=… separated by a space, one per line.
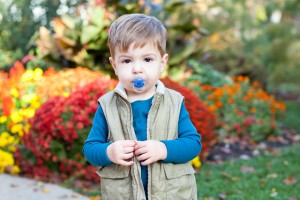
x=22 y=92
x=202 y=118
x=17 y=104
x=242 y=108
x=57 y=134
x=61 y=83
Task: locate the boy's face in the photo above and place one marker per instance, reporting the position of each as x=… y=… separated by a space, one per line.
x=146 y=63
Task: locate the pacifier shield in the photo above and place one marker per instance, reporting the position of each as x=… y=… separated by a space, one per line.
x=138 y=83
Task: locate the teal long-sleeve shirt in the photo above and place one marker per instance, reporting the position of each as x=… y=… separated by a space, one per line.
x=183 y=149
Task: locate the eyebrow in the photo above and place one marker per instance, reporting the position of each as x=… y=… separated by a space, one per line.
x=129 y=56
x=149 y=54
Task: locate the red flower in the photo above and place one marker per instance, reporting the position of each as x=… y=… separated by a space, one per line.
x=58 y=131
x=202 y=118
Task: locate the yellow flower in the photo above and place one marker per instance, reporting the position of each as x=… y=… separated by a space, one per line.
x=3 y=119
x=14 y=92
x=26 y=127
x=17 y=128
x=7 y=160
x=16 y=117
x=196 y=162
x=3 y=142
x=27 y=76
x=16 y=169
x=12 y=149
x=28 y=113
x=36 y=104
x=10 y=140
x=6 y=139
x=66 y=94
x=28 y=97
x=38 y=74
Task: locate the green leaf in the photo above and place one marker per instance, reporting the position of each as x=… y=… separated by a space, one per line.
x=171 y=6
x=98 y=17
x=58 y=149
x=176 y=59
x=68 y=21
x=89 y=33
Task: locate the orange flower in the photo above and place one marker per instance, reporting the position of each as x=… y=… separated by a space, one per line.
x=68 y=79
x=219 y=104
x=212 y=108
x=230 y=100
x=281 y=106
x=248 y=96
x=242 y=78
x=256 y=84
x=15 y=73
x=49 y=72
x=218 y=93
x=210 y=97
x=252 y=110
x=207 y=87
x=277 y=106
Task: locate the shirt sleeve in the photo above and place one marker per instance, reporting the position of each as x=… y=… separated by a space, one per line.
x=188 y=144
x=96 y=144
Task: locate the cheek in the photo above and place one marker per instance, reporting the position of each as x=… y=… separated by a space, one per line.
x=123 y=76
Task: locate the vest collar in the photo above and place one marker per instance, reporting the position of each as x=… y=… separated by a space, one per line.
x=160 y=88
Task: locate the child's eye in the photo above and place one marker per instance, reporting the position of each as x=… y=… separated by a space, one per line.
x=148 y=59
x=126 y=61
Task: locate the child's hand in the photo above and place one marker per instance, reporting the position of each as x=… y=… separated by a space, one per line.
x=121 y=152
x=150 y=151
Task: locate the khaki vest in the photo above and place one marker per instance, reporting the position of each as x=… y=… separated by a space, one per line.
x=165 y=180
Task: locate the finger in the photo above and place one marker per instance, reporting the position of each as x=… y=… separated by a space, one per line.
x=129 y=143
x=142 y=157
x=146 y=162
x=140 y=145
x=128 y=156
x=125 y=163
x=140 y=151
x=128 y=149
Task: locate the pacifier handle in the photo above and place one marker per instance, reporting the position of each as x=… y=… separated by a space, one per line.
x=138 y=83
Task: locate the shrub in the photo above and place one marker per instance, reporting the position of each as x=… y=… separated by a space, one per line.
x=206 y=75
x=58 y=131
x=23 y=91
x=202 y=118
x=243 y=109
x=17 y=104
x=63 y=82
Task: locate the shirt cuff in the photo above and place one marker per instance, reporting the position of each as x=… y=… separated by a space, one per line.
x=106 y=160
x=168 y=158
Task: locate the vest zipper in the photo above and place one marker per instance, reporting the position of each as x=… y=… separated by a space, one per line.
x=131 y=136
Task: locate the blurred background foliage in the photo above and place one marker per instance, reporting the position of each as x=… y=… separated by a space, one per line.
x=259 y=39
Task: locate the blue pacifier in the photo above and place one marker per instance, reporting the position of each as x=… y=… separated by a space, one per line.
x=138 y=85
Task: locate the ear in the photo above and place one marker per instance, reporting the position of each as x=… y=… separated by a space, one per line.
x=113 y=64
x=164 y=61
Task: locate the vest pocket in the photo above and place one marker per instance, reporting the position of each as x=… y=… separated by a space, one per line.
x=115 y=182
x=180 y=181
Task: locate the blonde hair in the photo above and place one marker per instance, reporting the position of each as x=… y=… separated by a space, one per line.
x=138 y=29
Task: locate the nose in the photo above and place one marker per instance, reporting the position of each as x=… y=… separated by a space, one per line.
x=137 y=68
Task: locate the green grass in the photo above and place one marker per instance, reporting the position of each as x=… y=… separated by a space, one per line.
x=292 y=118
x=266 y=182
